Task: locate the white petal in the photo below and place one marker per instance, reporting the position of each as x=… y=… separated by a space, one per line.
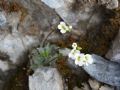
x=90 y=61
x=71 y=55
x=59 y=26
x=62 y=31
x=76 y=62
x=62 y=23
x=70 y=27
x=81 y=63
x=74 y=45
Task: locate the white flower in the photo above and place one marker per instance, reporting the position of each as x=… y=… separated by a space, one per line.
x=78 y=59
x=73 y=53
x=61 y=25
x=62 y=31
x=70 y=27
x=74 y=45
x=89 y=58
x=64 y=28
x=81 y=59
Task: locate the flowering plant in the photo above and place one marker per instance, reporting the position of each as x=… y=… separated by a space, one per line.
x=64 y=28
x=80 y=58
x=75 y=54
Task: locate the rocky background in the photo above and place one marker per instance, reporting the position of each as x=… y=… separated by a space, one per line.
x=25 y=23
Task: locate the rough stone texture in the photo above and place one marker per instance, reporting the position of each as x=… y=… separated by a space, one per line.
x=42 y=16
x=21 y=24
x=25 y=21
x=44 y=79
x=114 y=53
x=94 y=26
x=101 y=69
x=15 y=43
x=94 y=84
x=75 y=13
x=4 y=66
x=105 y=87
x=80 y=13
x=2 y=18
x=104 y=71
x=110 y=4
x=16 y=46
x=76 y=88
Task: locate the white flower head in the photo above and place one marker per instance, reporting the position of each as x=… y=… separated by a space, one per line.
x=74 y=45
x=70 y=27
x=73 y=53
x=62 y=31
x=78 y=59
x=81 y=59
x=64 y=28
x=61 y=25
x=89 y=58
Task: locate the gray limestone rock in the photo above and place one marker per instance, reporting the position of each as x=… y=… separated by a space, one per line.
x=110 y=4
x=45 y=79
x=114 y=53
x=104 y=71
x=81 y=14
x=40 y=14
x=2 y=19
x=101 y=69
x=76 y=13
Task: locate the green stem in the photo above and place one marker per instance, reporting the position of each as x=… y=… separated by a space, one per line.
x=45 y=39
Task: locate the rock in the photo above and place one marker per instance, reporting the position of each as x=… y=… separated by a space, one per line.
x=2 y=19
x=89 y=19
x=24 y=22
x=76 y=88
x=80 y=13
x=42 y=17
x=4 y=66
x=56 y=3
x=114 y=53
x=105 y=87
x=44 y=79
x=110 y=4
x=85 y=87
x=75 y=13
x=104 y=70
x=16 y=46
x=94 y=84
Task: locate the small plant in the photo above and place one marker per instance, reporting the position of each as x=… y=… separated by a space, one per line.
x=43 y=56
x=46 y=53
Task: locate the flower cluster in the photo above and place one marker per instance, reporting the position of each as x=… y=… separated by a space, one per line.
x=64 y=28
x=80 y=58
